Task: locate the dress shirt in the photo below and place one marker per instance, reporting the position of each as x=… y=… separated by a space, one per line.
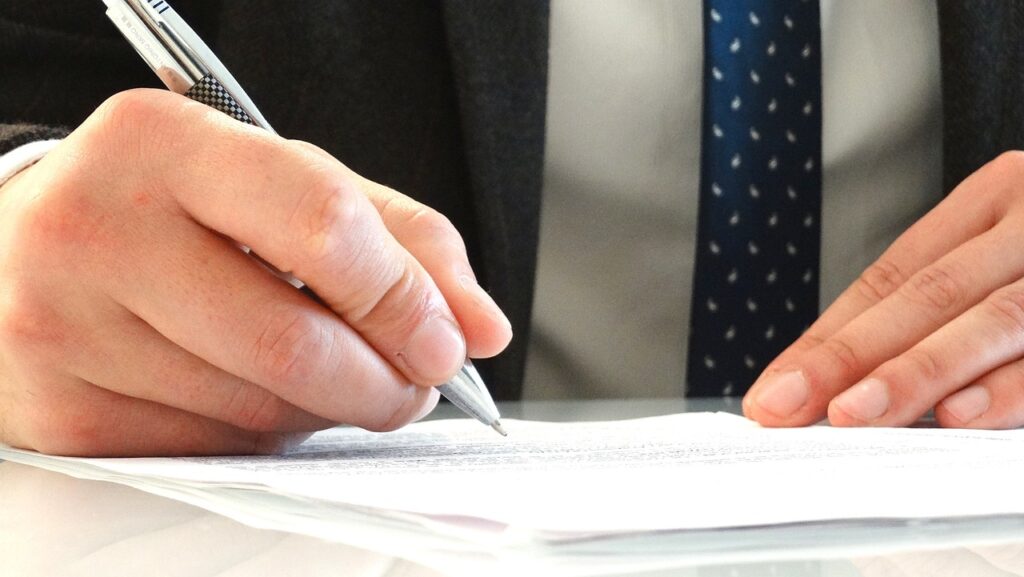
x=621 y=177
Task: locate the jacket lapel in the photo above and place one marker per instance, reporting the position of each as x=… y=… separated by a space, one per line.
x=982 y=47
x=499 y=54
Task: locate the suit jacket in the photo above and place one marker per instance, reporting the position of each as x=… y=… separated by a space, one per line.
x=443 y=100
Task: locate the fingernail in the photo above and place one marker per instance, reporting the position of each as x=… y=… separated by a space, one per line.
x=783 y=393
x=865 y=401
x=484 y=300
x=436 y=351
x=969 y=404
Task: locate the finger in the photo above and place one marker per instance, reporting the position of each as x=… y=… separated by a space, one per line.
x=132 y=359
x=77 y=419
x=432 y=240
x=309 y=217
x=901 y=390
x=798 y=392
x=788 y=357
x=210 y=299
x=960 y=217
x=438 y=247
x=995 y=401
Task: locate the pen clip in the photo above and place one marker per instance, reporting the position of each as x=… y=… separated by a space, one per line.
x=152 y=51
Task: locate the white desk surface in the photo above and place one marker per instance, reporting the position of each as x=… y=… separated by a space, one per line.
x=54 y=525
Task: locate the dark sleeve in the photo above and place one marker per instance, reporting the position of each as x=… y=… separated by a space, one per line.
x=14 y=135
x=60 y=60
x=982 y=82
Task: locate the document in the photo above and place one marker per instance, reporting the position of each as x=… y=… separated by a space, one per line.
x=458 y=486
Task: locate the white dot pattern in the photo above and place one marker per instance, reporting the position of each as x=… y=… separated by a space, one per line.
x=758 y=243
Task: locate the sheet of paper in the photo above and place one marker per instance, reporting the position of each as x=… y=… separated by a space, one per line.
x=689 y=471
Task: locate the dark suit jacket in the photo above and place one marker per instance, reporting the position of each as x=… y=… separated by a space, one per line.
x=443 y=100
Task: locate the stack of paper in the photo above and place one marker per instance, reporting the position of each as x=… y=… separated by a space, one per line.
x=454 y=489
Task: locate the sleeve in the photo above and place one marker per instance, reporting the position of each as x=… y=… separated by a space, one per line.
x=60 y=60
x=13 y=136
x=22 y=145
x=24 y=156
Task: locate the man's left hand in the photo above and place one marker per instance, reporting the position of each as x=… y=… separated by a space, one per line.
x=936 y=322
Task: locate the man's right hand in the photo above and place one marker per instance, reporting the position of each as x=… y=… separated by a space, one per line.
x=131 y=323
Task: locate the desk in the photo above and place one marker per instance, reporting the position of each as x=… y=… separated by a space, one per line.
x=51 y=525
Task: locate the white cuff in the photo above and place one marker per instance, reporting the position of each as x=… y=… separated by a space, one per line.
x=23 y=157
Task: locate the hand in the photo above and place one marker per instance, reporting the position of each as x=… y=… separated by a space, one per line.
x=131 y=324
x=937 y=322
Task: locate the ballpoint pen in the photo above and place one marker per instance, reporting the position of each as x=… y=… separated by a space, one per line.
x=187 y=66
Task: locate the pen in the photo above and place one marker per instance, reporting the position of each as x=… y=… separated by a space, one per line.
x=187 y=66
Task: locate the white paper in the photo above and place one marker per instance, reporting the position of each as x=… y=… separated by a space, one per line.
x=605 y=497
x=563 y=480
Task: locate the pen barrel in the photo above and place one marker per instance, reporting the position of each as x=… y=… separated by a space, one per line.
x=211 y=93
x=466 y=391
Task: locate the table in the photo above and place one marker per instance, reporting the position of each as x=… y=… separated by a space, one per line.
x=51 y=524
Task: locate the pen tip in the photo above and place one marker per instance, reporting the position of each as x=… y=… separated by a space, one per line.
x=496 y=425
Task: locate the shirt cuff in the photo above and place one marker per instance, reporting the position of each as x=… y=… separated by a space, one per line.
x=23 y=157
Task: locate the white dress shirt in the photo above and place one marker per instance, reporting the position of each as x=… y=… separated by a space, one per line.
x=622 y=170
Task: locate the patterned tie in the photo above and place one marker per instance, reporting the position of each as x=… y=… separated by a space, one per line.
x=756 y=272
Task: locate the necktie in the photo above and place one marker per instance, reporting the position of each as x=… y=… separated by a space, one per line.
x=758 y=239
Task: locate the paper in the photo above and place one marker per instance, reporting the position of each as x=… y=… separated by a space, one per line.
x=461 y=486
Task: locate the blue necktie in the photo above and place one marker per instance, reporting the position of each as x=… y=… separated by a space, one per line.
x=758 y=238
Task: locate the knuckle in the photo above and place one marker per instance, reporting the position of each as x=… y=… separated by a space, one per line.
x=1007 y=306
x=434 y=223
x=158 y=129
x=880 y=280
x=128 y=119
x=29 y=328
x=808 y=341
x=63 y=218
x=328 y=214
x=130 y=108
x=403 y=304
x=922 y=365
x=290 y=349
x=937 y=288
x=431 y=224
x=842 y=354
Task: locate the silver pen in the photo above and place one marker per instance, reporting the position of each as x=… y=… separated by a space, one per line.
x=187 y=66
